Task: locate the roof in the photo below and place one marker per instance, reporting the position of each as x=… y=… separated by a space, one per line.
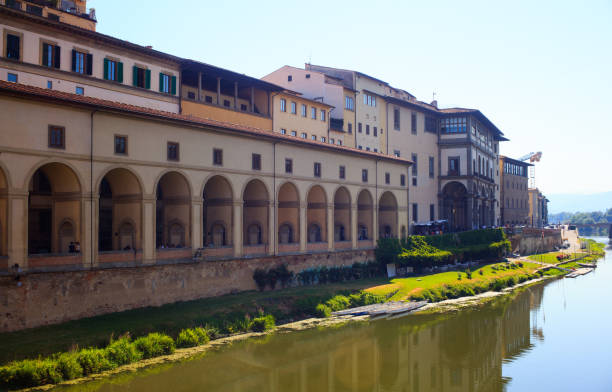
x=198 y=66
x=477 y=113
x=347 y=70
x=414 y=104
x=515 y=161
x=4 y=10
x=21 y=90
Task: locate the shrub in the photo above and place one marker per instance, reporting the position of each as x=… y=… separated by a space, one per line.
x=94 y=360
x=480 y=272
x=261 y=279
x=122 y=351
x=323 y=311
x=192 y=337
x=69 y=366
x=284 y=275
x=468 y=273
x=458 y=275
x=154 y=345
x=29 y=373
x=339 y=302
x=262 y=323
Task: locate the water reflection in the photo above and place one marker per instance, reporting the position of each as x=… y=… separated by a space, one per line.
x=462 y=352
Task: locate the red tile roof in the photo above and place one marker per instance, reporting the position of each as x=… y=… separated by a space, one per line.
x=8 y=88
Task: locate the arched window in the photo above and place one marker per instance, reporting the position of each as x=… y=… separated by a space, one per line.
x=254 y=234
x=217 y=233
x=126 y=236
x=176 y=235
x=285 y=234
x=314 y=233
x=363 y=233
x=66 y=238
x=339 y=233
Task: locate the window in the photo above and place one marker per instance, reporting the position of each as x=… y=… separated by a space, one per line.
x=349 y=103
x=289 y=78
x=375 y=131
x=243 y=107
x=288 y=165
x=13 y=46
x=364 y=175
x=303 y=135
x=415 y=212
x=80 y=90
x=141 y=77
x=431 y=167
x=431 y=125
x=283 y=131
x=50 y=55
x=191 y=95
x=32 y=9
x=293 y=108
x=339 y=142
x=313 y=113
x=359 y=127
x=113 y=70
x=432 y=214
x=173 y=151
x=453 y=125
x=226 y=103
x=317 y=169
x=303 y=110
x=413 y=123
x=313 y=137
x=121 y=145
x=57 y=137
x=414 y=181
x=256 y=161
x=396 y=119
x=283 y=105
x=307 y=76
x=11 y=77
x=322 y=115
x=349 y=127
x=402 y=179
x=49 y=84
x=217 y=157
x=323 y=139
x=81 y=62
x=360 y=147
x=367 y=129
x=367 y=148
x=208 y=99
x=369 y=100
x=332 y=140
x=375 y=149
x=396 y=153
x=293 y=133
x=414 y=165
x=342 y=172
x=387 y=178
x=167 y=83
x=453 y=166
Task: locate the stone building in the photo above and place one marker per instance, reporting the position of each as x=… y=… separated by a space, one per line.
x=514 y=191
x=538 y=208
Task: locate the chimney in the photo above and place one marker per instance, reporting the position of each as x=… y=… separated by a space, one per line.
x=149 y=47
x=434 y=103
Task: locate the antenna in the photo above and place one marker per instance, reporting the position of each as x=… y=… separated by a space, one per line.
x=433 y=96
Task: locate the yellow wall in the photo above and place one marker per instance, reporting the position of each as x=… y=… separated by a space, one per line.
x=295 y=122
x=229 y=115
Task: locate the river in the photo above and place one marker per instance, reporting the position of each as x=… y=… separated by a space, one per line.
x=549 y=337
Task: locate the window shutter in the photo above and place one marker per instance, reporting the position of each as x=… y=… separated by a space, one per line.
x=120 y=72
x=89 y=63
x=135 y=76
x=13 y=46
x=173 y=85
x=45 y=54
x=148 y=79
x=57 y=57
x=161 y=82
x=74 y=52
x=105 y=76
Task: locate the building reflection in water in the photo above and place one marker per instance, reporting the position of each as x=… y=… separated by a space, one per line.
x=462 y=352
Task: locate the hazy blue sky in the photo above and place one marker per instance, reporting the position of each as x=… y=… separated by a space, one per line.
x=540 y=70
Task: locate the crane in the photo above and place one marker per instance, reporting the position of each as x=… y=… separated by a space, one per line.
x=531 y=157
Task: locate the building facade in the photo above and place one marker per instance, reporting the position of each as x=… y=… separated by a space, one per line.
x=514 y=192
x=538 y=208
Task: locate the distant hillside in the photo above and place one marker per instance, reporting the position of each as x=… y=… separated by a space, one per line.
x=567 y=202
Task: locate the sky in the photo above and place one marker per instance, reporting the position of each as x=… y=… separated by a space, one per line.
x=540 y=70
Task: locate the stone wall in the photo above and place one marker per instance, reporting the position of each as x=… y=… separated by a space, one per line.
x=55 y=297
x=531 y=241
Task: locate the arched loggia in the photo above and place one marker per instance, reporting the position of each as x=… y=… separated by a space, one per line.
x=255 y=215
x=288 y=216
x=342 y=215
x=316 y=215
x=173 y=212
x=218 y=215
x=365 y=216
x=387 y=216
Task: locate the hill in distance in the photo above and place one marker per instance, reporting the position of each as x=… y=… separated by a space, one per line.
x=572 y=202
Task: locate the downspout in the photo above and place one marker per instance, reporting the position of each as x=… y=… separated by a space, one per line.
x=274 y=239
x=91 y=187
x=387 y=124
x=377 y=207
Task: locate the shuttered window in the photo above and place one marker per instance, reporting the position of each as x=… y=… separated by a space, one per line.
x=113 y=70
x=81 y=62
x=167 y=84
x=13 y=43
x=50 y=55
x=141 y=77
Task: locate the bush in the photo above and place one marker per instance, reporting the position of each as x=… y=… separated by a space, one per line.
x=339 y=302
x=323 y=311
x=261 y=279
x=69 y=366
x=192 y=337
x=122 y=351
x=154 y=345
x=284 y=275
x=29 y=373
x=94 y=360
x=262 y=323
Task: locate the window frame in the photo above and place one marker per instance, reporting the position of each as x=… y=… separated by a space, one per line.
x=288 y=166
x=456 y=172
x=256 y=161
x=413 y=123
x=116 y=138
x=387 y=178
x=177 y=151
x=5 y=47
x=432 y=167
x=217 y=157
x=342 y=172
x=62 y=129
x=293 y=107
x=364 y=175
x=316 y=168
x=283 y=105
x=54 y=60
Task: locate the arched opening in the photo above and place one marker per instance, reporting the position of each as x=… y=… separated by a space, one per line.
x=172 y=212
x=316 y=215
x=119 y=212
x=454 y=205
x=255 y=215
x=54 y=210
x=342 y=215
x=217 y=213
x=387 y=216
x=364 y=216
x=288 y=217
x=3 y=213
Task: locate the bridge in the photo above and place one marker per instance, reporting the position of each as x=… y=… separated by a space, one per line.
x=605 y=225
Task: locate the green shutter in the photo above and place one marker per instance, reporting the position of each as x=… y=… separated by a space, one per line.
x=173 y=85
x=148 y=79
x=161 y=82
x=135 y=76
x=105 y=69
x=120 y=72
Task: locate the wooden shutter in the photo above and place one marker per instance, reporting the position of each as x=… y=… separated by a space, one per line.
x=45 y=54
x=148 y=79
x=56 y=60
x=105 y=76
x=173 y=91
x=161 y=82
x=74 y=54
x=89 y=63
x=120 y=72
x=135 y=76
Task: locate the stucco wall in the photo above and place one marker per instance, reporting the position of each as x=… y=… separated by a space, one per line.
x=49 y=298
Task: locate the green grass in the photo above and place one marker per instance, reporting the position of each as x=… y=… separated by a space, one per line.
x=170 y=319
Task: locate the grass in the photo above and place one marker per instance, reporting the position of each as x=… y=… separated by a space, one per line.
x=551 y=258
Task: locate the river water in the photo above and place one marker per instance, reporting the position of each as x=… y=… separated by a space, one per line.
x=549 y=337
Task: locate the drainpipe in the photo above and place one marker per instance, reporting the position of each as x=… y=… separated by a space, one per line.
x=274 y=239
x=91 y=187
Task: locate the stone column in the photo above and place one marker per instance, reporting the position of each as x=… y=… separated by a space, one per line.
x=469 y=212
x=330 y=226
x=148 y=229
x=375 y=223
x=89 y=229
x=354 y=224
x=196 y=223
x=17 y=227
x=237 y=228
x=272 y=229
x=303 y=226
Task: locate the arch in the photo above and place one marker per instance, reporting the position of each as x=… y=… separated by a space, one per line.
x=54 y=208
x=342 y=215
x=4 y=189
x=288 y=216
x=365 y=216
x=120 y=203
x=316 y=214
x=218 y=219
x=387 y=215
x=454 y=205
x=126 y=170
x=256 y=202
x=172 y=208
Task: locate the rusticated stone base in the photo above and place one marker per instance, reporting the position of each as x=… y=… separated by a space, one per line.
x=54 y=297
